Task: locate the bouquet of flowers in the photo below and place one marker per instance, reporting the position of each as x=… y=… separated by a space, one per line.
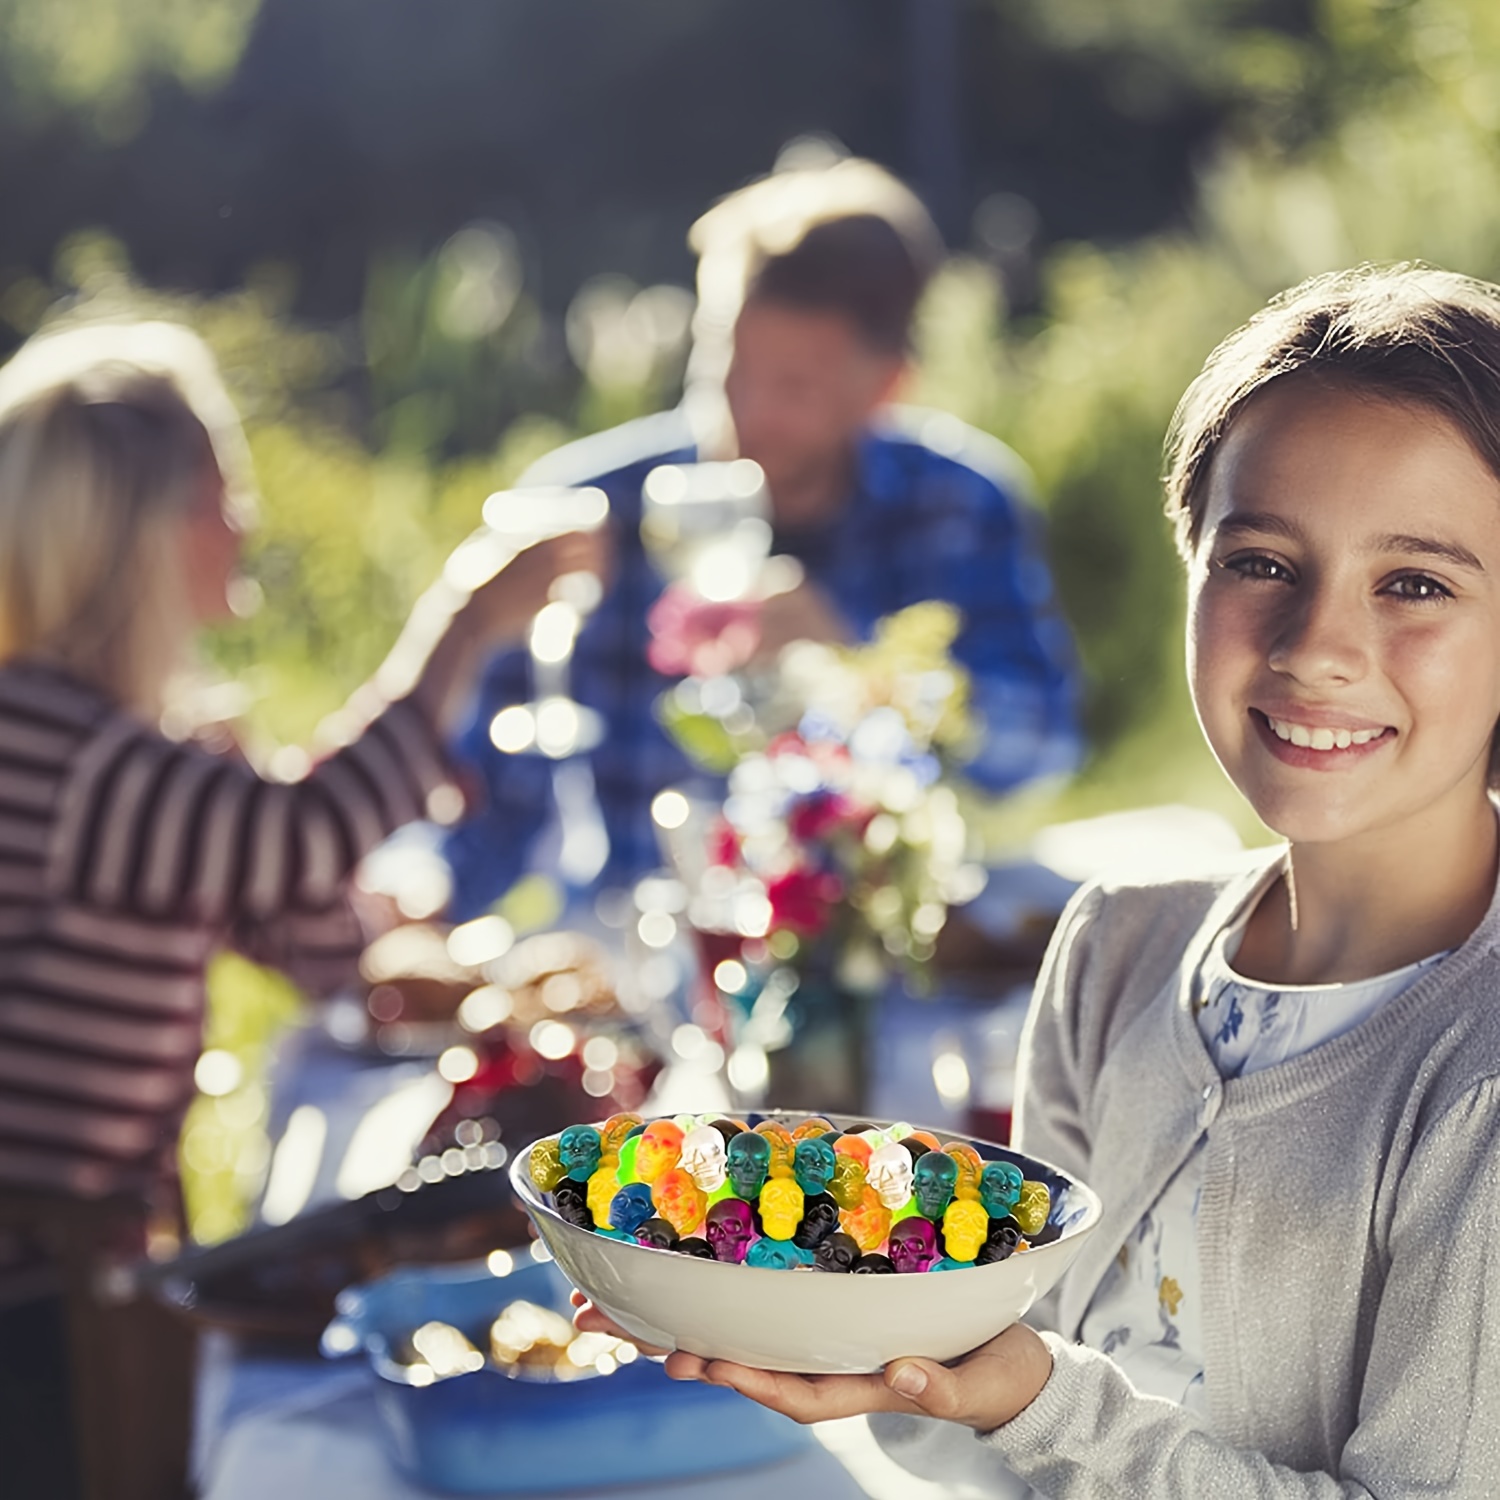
x=841 y=842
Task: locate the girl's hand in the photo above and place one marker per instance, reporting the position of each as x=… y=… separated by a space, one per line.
x=983 y=1390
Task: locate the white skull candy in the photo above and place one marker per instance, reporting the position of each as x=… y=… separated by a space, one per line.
x=703 y=1157
x=890 y=1174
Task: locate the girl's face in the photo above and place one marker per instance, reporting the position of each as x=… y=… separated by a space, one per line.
x=210 y=551
x=1344 y=617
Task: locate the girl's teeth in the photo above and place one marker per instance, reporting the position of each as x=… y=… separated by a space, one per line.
x=1322 y=739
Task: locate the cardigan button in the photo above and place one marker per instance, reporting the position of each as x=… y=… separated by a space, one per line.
x=1212 y=1095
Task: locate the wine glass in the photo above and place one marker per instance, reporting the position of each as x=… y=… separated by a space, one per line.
x=551 y=724
x=708 y=525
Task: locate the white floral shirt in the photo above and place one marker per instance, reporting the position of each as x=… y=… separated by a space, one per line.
x=1146 y=1312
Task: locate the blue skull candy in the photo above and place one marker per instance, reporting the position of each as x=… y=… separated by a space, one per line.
x=934 y=1179
x=1000 y=1188
x=631 y=1207
x=579 y=1149
x=812 y=1165
x=778 y=1255
x=748 y=1159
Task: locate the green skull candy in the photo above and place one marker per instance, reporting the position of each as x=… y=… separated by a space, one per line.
x=748 y=1159
x=934 y=1179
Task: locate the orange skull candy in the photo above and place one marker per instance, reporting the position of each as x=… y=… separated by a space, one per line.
x=659 y=1151
x=783 y=1147
x=817 y=1125
x=868 y=1223
x=613 y=1131
x=970 y=1166
x=679 y=1200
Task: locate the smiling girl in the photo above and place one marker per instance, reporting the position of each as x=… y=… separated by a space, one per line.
x=1282 y=1078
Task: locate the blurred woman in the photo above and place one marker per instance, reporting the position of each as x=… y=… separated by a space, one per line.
x=128 y=858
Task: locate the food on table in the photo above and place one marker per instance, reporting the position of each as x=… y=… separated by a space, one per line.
x=871 y=1202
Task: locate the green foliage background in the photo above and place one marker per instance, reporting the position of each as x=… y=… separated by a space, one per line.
x=1355 y=130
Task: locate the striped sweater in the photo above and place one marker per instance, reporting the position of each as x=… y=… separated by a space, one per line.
x=126 y=861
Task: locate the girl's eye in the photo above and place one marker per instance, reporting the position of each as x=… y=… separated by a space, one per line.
x=1417 y=586
x=1257 y=565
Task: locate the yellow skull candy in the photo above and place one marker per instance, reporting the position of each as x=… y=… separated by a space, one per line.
x=965 y=1225
x=603 y=1186
x=780 y=1207
x=1031 y=1212
x=545 y=1165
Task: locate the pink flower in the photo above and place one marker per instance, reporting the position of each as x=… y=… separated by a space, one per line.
x=692 y=637
x=822 y=813
x=803 y=900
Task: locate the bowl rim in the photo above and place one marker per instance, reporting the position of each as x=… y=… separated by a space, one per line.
x=1080 y=1223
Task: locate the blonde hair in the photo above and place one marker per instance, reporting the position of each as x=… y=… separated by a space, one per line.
x=107 y=434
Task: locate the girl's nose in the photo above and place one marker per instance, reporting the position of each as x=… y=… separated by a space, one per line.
x=1320 y=640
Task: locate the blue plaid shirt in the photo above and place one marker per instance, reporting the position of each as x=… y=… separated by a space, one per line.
x=935 y=513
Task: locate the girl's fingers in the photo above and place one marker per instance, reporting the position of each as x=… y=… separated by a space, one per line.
x=588 y=1319
x=808 y=1398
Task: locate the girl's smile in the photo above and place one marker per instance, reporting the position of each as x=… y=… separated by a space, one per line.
x=1344 y=619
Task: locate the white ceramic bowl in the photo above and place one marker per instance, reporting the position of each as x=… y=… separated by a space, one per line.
x=811 y=1322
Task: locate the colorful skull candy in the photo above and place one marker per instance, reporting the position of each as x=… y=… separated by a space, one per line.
x=874 y=1264
x=868 y=1223
x=545 y=1165
x=659 y=1150
x=579 y=1151
x=783 y=1147
x=628 y=1171
x=704 y=1157
x=630 y=1207
x=679 y=1200
x=1033 y=1207
x=1000 y=1188
x=970 y=1165
x=933 y=1180
x=889 y=1172
x=695 y=1246
x=777 y=1255
x=813 y=1164
x=847 y=1185
x=811 y=1128
x=729 y=1227
x=781 y=1204
x=854 y=1145
x=913 y=1245
x=820 y=1218
x=837 y=1253
x=748 y=1161
x=601 y=1189
x=571 y=1200
x=965 y=1228
x=613 y=1133
x=658 y=1234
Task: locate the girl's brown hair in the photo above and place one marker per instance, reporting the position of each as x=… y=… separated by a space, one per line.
x=1407 y=333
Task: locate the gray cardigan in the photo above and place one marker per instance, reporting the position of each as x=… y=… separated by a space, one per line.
x=1349 y=1230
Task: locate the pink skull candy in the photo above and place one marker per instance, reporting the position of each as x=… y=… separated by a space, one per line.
x=913 y=1244
x=730 y=1228
x=659 y=1150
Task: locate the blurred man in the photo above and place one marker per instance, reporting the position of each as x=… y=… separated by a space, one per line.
x=808 y=284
